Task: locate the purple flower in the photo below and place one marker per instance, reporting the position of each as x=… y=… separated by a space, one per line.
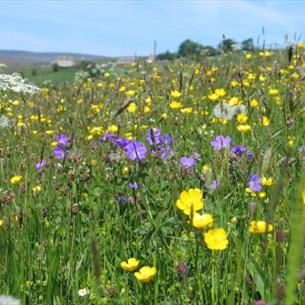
x=153 y=136
x=166 y=152
x=301 y=148
x=238 y=150
x=41 y=165
x=62 y=139
x=166 y=139
x=121 y=199
x=187 y=162
x=214 y=185
x=59 y=152
x=254 y=183
x=110 y=136
x=250 y=155
x=120 y=142
x=133 y=185
x=221 y=142
x=135 y=150
x=260 y=303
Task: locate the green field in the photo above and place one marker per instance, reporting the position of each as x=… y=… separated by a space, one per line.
x=158 y=184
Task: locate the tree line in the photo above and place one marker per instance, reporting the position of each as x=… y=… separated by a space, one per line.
x=189 y=48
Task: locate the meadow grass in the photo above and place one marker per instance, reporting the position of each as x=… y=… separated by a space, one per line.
x=67 y=224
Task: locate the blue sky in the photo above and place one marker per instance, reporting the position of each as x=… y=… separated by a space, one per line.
x=117 y=28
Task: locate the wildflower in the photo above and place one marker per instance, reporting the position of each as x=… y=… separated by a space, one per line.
x=37 y=189
x=254 y=183
x=83 y=292
x=221 y=142
x=253 y=103
x=134 y=185
x=113 y=128
x=214 y=185
x=238 y=150
x=135 y=150
x=8 y=300
x=125 y=170
x=303 y=196
x=16 y=179
x=182 y=269
x=260 y=227
x=202 y=221
x=220 y=92
x=40 y=165
x=175 y=105
x=59 y=152
x=266 y=181
x=187 y=162
x=62 y=139
x=301 y=148
x=242 y=118
x=145 y=274
x=190 y=201
x=227 y=111
x=153 y=136
x=132 y=107
x=176 y=94
x=213 y=97
x=244 y=128
x=216 y=239
x=131 y=264
x=265 y=121
x=300 y=45
x=1 y=222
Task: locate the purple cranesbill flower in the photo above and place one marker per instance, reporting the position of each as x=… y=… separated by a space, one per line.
x=238 y=150
x=133 y=185
x=221 y=142
x=62 y=139
x=121 y=199
x=40 y=165
x=110 y=136
x=135 y=150
x=120 y=142
x=214 y=185
x=301 y=148
x=254 y=183
x=166 y=139
x=165 y=152
x=59 y=152
x=250 y=155
x=153 y=136
x=187 y=162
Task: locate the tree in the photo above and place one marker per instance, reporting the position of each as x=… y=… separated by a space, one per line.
x=227 y=45
x=167 y=56
x=247 y=45
x=209 y=51
x=189 y=48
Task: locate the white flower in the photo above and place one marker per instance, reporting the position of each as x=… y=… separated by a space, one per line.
x=16 y=83
x=227 y=111
x=4 y=121
x=83 y=292
x=8 y=300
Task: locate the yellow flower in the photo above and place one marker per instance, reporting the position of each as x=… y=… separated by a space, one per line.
x=260 y=227
x=2 y=223
x=125 y=170
x=113 y=128
x=244 y=128
x=145 y=274
x=130 y=93
x=176 y=94
x=131 y=264
x=190 y=201
x=253 y=103
x=248 y=55
x=241 y=118
x=213 y=97
x=202 y=221
x=266 y=181
x=273 y=91
x=216 y=239
x=37 y=189
x=132 y=107
x=300 y=45
x=175 y=105
x=16 y=179
x=220 y=92
x=303 y=196
x=265 y=121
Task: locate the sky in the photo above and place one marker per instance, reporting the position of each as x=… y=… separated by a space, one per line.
x=121 y=28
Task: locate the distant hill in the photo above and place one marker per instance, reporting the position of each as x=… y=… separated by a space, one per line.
x=16 y=57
